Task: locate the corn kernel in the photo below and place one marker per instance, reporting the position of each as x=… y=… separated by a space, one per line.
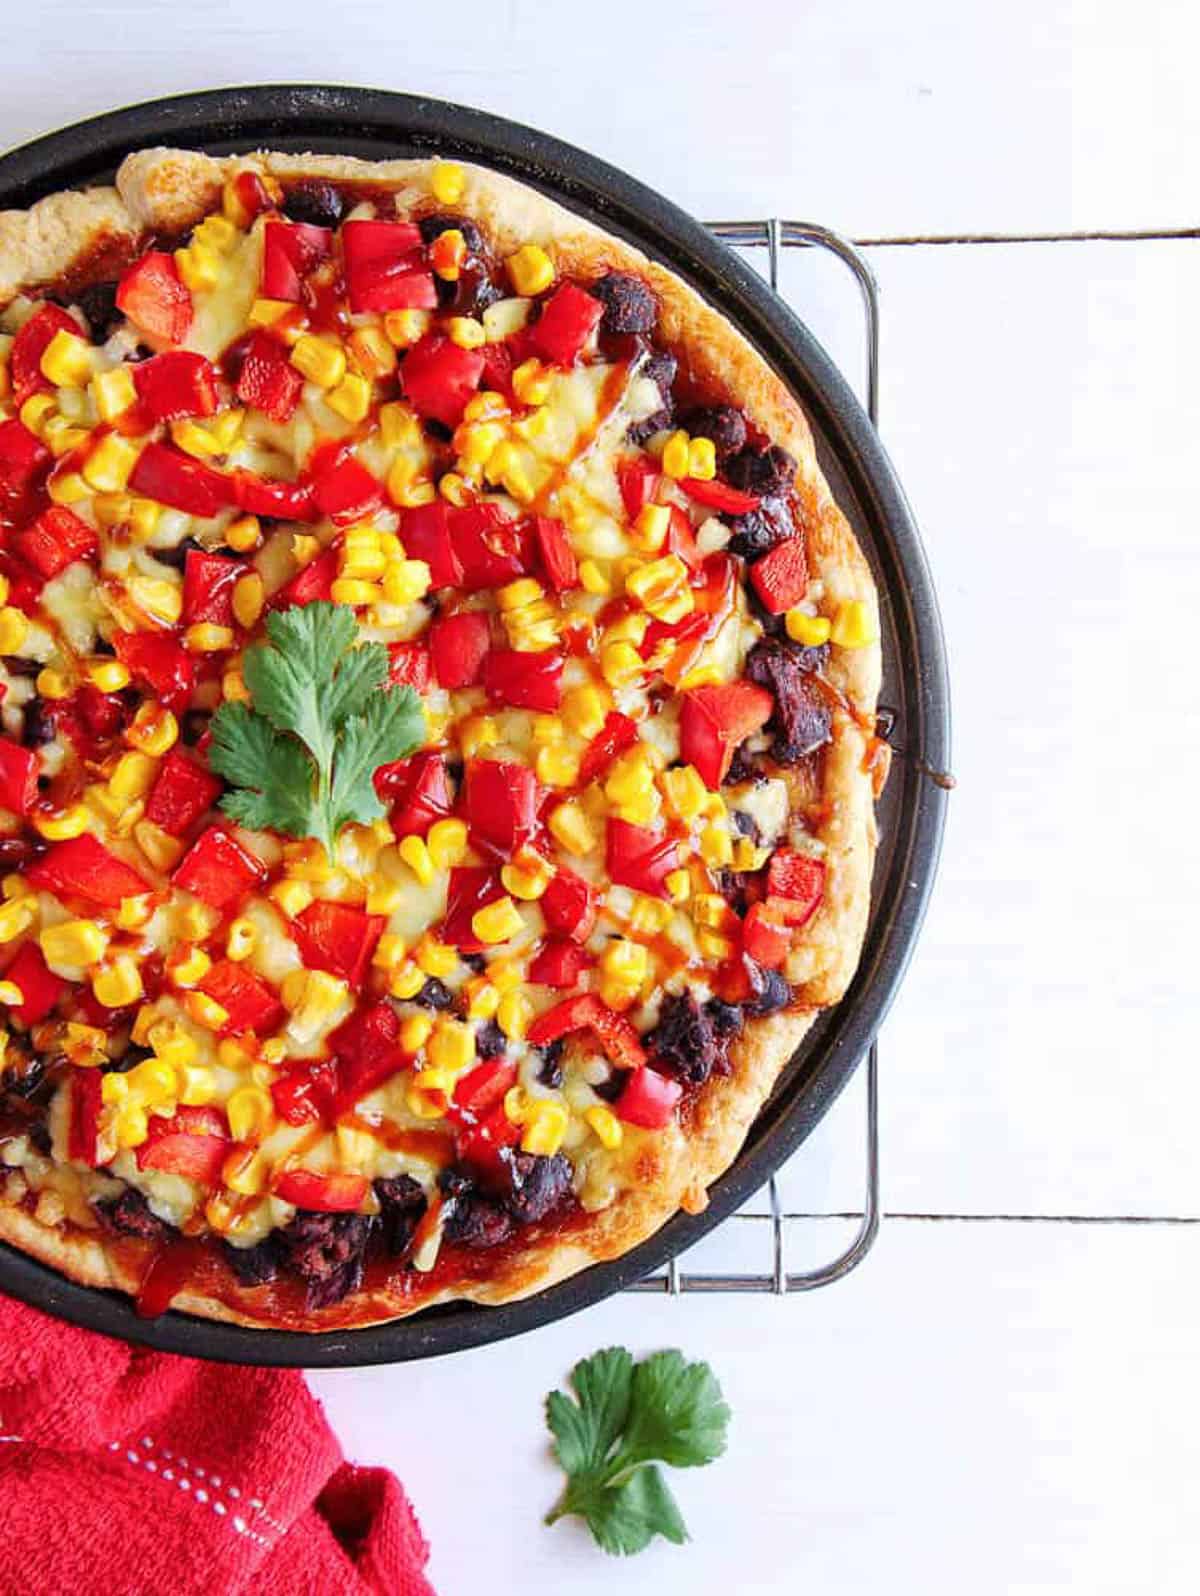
x=67 y=487
x=274 y=1051
x=67 y=823
x=195 y=439
x=73 y=943
x=571 y=828
x=172 y=1044
x=545 y=1128
x=606 y=1125
x=113 y=392
x=497 y=922
x=241 y=939
x=483 y=999
x=702 y=459
x=517 y=1104
x=715 y=947
x=251 y=1113
x=133 y=776
x=476 y=733
x=716 y=846
x=245 y=1171
x=54 y=684
x=384 y=896
x=448 y=180
x=198 y=266
x=372 y=353
x=710 y=909
x=36 y=411
x=118 y=984
x=161 y=600
x=428 y=1094
x=249 y=596
x=532 y=382
x=131 y=1127
x=108 y=466
x=67 y=360
x=625 y=962
x=161 y=849
x=188 y=968
x=415 y=1031
x=466 y=332
x=85 y=1045
x=452 y=1045
x=244 y=534
x=447 y=843
x=266 y=312
x=557 y=766
x=593 y=580
x=216 y=231
x=407 y=981
x=676 y=455
x=304 y=548
x=620 y=663
x=530 y=269
x=14 y=628
x=351 y=398
x=405 y=327
x=321 y=360
x=109 y=675
x=11 y=994
x=207 y=638
x=143 y=518
x=526 y=878
x=810 y=630
x=15 y=918
x=416 y=856
x=435 y=958
x=514 y=1014
x=679 y=885
x=405 y=581
x=454 y=489
x=389 y=951
x=651 y=528
x=853 y=626
x=319 y=998
x=661 y=588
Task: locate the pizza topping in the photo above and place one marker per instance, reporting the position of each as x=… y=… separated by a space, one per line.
x=130 y=1215
x=380 y=664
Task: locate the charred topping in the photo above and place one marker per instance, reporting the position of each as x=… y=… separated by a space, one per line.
x=401 y=1204
x=130 y=1215
x=328 y=1252
x=768 y=472
x=802 y=721
x=315 y=202
x=629 y=304
x=724 y=424
x=684 y=1042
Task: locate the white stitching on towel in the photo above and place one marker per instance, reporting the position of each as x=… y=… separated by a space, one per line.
x=176 y=1470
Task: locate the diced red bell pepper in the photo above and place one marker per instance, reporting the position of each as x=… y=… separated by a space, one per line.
x=367 y=1049
x=24 y=586
x=438 y=378
x=417 y=790
x=648 y=1099
x=557 y=556
x=183 y=790
x=83 y=868
x=498 y=366
x=175 y=385
x=252 y=194
x=781 y=577
x=491 y=550
x=193 y=1143
x=103 y=714
x=458 y=646
x=569 y=318
x=347 y=492
x=322 y=1194
x=482 y=1145
x=681 y=539
x=638 y=479
x=385 y=269
x=86 y=1101
x=559 y=964
x=714 y=720
x=170 y=477
x=218 y=869
x=524 y=681
x=30 y=344
x=39 y=986
x=55 y=540
x=338 y=938
x=284 y=501
x=471 y=888
x=409 y=666
x=481 y=1089
x=161 y=663
x=617 y=734
x=208 y=583
x=268 y=381
x=500 y=803
x=252 y=1005
x=290 y=251
x=716 y=495
x=569 y=906
x=639 y=858
x=155 y=298
x=765 y=938
x=18 y=777
x=425 y=534
x=306 y=1094
x=587 y=1012
x=24 y=460
x=314 y=582
x=795 y=885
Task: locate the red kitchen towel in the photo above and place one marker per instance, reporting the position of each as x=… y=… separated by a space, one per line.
x=135 y=1473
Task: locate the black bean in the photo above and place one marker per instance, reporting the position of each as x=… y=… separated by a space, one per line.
x=490 y=1041
x=550 y=1071
x=434 y=226
x=176 y=558
x=726 y=1017
x=759 y=531
x=771 y=991
x=16 y=666
x=327 y=1251
x=435 y=995
x=314 y=201
x=683 y=1042
x=629 y=304
x=767 y=472
x=725 y=425
x=802 y=720
x=40 y=723
x=539 y=1186
x=98 y=302
x=129 y=1215
x=401 y=1204
x=257 y=1265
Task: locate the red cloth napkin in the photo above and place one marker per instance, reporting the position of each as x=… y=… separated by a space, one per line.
x=132 y=1473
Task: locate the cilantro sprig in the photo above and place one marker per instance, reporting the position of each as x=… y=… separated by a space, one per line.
x=626 y=1419
x=301 y=756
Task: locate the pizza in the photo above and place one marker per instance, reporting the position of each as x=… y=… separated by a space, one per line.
x=438 y=752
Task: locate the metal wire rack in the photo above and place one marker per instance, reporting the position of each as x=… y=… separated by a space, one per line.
x=775 y=236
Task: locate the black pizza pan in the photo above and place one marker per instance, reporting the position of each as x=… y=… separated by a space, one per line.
x=379 y=125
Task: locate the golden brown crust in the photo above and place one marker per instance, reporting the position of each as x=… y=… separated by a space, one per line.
x=170 y=190
x=65 y=240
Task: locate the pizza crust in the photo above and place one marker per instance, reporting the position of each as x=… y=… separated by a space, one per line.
x=169 y=191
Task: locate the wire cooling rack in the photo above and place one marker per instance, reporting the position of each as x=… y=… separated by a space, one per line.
x=770 y=1229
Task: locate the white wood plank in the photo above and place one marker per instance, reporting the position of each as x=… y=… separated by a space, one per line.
x=996 y=1408
x=1042 y=408
x=879 y=119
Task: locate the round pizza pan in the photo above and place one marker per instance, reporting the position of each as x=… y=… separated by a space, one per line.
x=379 y=125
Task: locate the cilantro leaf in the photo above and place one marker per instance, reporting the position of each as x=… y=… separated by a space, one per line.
x=302 y=758
x=624 y=1420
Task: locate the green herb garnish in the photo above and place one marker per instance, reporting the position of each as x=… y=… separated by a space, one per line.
x=628 y=1418
x=302 y=759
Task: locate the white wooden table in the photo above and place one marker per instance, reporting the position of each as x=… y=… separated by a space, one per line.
x=1003 y=1399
